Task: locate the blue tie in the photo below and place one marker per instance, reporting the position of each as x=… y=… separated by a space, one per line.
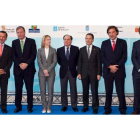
x=67 y=54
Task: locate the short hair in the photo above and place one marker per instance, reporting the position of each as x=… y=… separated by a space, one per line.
x=112 y=27
x=4 y=33
x=68 y=35
x=20 y=27
x=43 y=39
x=91 y=35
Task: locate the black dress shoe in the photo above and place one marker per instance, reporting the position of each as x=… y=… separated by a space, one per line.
x=4 y=110
x=30 y=110
x=95 y=111
x=84 y=109
x=64 y=109
x=17 y=110
x=106 y=113
x=75 y=109
x=135 y=113
x=123 y=113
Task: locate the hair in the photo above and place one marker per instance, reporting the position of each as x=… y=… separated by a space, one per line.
x=91 y=35
x=43 y=39
x=112 y=27
x=4 y=33
x=68 y=35
x=20 y=27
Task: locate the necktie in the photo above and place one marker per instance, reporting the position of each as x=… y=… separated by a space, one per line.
x=22 y=46
x=113 y=46
x=1 y=50
x=67 y=54
x=88 y=52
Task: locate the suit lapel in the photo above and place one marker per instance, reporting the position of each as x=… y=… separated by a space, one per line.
x=110 y=46
x=71 y=51
x=86 y=53
x=18 y=45
x=25 y=45
x=92 y=52
x=116 y=45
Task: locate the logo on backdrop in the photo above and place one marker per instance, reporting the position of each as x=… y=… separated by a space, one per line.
x=34 y=29
x=60 y=28
x=137 y=29
x=87 y=28
x=8 y=30
x=54 y=28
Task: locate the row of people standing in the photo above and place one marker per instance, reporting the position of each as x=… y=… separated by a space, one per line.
x=89 y=59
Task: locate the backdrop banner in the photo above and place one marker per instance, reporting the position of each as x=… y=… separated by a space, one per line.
x=78 y=32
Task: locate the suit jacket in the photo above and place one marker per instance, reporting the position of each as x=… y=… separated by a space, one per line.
x=136 y=58
x=91 y=66
x=48 y=64
x=64 y=63
x=28 y=56
x=116 y=57
x=6 y=60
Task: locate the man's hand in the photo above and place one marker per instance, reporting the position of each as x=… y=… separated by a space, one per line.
x=2 y=71
x=79 y=76
x=45 y=72
x=98 y=77
x=23 y=66
x=113 y=68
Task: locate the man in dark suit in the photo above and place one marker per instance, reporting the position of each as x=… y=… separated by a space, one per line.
x=136 y=76
x=5 y=65
x=67 y=57
x=23 y=55
x=114 y=56
x=89 y=71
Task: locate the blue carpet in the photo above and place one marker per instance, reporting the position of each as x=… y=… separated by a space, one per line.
x=56 y=110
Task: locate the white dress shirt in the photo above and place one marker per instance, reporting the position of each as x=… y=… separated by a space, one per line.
x=112 y=42
x=46 y=52
x=23 y=41
x=66 y=49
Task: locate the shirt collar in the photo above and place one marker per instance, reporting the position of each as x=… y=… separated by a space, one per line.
x=67 y=47
x=2 y=44
x=23 y=39
x=90 y=46
x=113 y=40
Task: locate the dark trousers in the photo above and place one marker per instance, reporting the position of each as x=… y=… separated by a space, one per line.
x=28 y=79
x=94 y=90
x=119 y=83
x=3 y=86
x=73 y=90
x=136 y=84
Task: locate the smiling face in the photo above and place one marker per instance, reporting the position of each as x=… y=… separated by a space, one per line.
x=2 y=37
x=67 y=41
x=112 y=34
x=89 y=39
x=47 y=41
x=21 y=33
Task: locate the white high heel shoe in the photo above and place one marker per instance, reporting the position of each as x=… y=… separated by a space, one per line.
x=48 y=111
x=43 y=111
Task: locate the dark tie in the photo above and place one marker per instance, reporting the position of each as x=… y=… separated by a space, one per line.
x=67 y=53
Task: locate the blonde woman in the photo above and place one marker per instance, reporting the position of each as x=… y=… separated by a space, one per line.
x=47 y=60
